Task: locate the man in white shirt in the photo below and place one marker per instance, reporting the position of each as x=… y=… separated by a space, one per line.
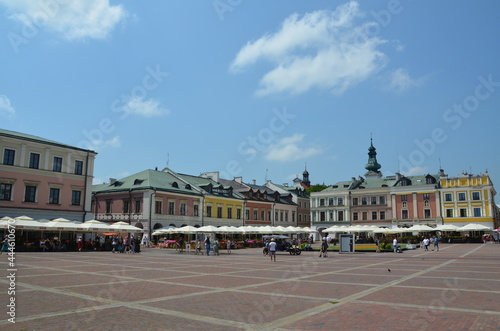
x=395 y=245
x=272 y=249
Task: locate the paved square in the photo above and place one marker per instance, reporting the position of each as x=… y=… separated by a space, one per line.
x=457 y=288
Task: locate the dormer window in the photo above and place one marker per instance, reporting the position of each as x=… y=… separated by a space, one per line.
x=174 y=184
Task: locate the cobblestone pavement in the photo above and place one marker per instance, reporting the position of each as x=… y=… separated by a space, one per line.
x=457 y=288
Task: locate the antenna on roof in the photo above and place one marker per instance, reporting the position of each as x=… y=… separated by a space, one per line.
x=168 y=159
x=266 y=176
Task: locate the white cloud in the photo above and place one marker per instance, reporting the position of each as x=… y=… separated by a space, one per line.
x=400 y=80
x=322 y=49
x=289 y=149
x=99 y=145
x=415 y=171
x=74 y=20
x=146 y=108
x=6 y=108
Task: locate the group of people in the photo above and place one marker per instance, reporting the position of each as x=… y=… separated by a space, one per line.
x=211 y=245
x=427 y=241
x=128 y=245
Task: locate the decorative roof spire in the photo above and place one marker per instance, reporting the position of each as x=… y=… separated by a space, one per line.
x=372 y=164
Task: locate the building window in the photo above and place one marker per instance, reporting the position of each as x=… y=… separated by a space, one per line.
x=219 y=212
x=34 y=160
x=30 y=193
x=463 y=212
x=137 y=206
x=381 y=200
x=5 y=192
x=158 y=207
x=57 y=164
x=476 y=196
x=364 y=201
x=448 y=197
x=8 y=156
x=322 y=216
x=461 y=196
x=373 y=200
x=374 y=215
x=340 y=201
x=183 y=209
x=321 y=202
x=405 y=204
x=229 y=212
x=54 y=196
x=427 y=213
x=78 y=167
x=426 y=196
x=171 y=208
x=340 y=215
x=426 y=203
x=330 y=202
x=281 y=216
x=108 y=206
x=404 y=214
x=354 y=216
x=269 y=215
x=255 y=214
x=76 y=198
x=354 y=201
x=300 y=218
x=477 y=212
x=449 y=212
x=404 y=198
x=209 y=211
x=262 y=215
x=365 y=216
x=238 y=213
x=382 y=215
x=196 y=210
x=247 y=214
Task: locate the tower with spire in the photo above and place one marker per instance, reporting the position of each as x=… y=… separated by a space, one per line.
x=305 y=178
x=372 y=166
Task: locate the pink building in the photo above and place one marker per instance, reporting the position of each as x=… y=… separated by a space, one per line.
x=44 y=179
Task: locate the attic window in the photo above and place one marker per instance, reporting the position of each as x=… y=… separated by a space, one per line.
x=346 y=186
x=118 y=183
x=138 y=181
x=188 y=187
x=384 y=185
x=174 y=184
x=336 y=186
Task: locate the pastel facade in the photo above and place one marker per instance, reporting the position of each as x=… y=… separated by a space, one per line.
x=403 y=201
x=468 y=199
x=150 y=200
x=44 y=179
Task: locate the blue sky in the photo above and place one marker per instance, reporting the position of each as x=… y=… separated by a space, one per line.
x=257 y=89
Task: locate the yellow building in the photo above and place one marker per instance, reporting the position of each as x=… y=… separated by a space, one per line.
x=468 y=199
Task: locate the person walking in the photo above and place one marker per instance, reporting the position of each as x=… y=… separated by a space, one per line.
x=228 y=246
x=436 y=243
x=395 y=245
x=272 y=249
x=324 y=248
x=426 y=243
x=207 y=245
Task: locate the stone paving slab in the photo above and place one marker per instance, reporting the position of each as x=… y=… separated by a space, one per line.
x=456 y=288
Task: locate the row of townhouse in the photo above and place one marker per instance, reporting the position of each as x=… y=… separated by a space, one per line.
x=402 y=201
x=44 y=179
x=154 y=199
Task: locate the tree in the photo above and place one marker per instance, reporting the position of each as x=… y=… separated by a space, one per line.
x=315 y=188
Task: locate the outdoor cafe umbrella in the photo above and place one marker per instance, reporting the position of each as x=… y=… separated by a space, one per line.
x=447 y=227
x=419 y=228
x=474 y=227
x=124 y=227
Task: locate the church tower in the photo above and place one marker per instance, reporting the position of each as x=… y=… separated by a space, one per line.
x=372 y=166
x=305 y=179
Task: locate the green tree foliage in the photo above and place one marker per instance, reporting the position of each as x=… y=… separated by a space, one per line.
x=316 y=188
